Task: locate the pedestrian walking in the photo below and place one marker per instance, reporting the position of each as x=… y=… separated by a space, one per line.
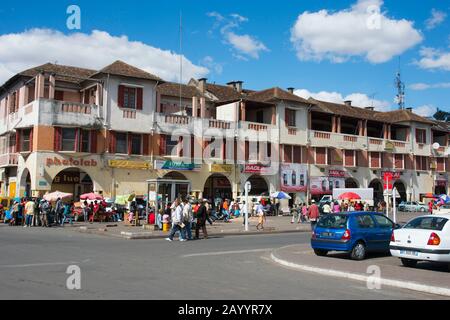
x=313 y=214
x=177 y=221
x=44 y=208
x=59 y=209
x=430 y=207
x=67 y=214
x=86 y=211
x=261 y=217
x=29 y=212
x=304 y=212
x=202 y=216
x=188 y=219
x=244 y=210
x=296 y=214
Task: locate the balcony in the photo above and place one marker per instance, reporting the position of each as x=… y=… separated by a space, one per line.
x=9 y=160
x=337 y=140
x=171 y=123
x=256 y=131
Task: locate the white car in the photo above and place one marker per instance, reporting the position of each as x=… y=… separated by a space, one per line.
x=425 y=238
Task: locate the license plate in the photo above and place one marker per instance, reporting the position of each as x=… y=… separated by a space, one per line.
x=327 y=234
x=409 y=253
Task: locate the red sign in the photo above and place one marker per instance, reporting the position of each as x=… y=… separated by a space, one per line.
x=256 y=168
x=70 y=162
x=441 y=183
x=390 y=175
x=336 y=173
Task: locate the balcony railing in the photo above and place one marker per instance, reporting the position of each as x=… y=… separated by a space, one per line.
x=176 y=119
x=322 y=135
x=76 y=107
x=257 y=126
x=219 y=124
x=9 y=160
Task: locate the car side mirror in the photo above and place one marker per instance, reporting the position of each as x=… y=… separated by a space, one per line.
x=397 y=226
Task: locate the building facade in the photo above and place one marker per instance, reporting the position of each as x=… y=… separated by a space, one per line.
x=110 y=131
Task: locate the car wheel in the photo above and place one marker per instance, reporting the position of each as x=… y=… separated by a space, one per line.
x=320 y=253
x=409 y=263
x=358 y=252
x=422 y=209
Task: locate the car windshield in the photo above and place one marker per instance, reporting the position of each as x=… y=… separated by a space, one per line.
x=335 y=221
x=427 y=223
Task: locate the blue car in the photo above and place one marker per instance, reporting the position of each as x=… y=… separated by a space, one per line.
x=354 y=232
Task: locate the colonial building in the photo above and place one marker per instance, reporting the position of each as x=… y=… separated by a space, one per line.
x=110 y=131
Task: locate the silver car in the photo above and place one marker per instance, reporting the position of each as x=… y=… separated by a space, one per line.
x=412 y=206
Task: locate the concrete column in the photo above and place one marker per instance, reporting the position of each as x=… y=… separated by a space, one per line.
x=40 y=86
x=194 y=107
x=98 y=94
x=338 y=125
x=243 y=113
x=333 y=124
x=202 y=108
x=360 y=127
x=274 y=116
x=52 y=87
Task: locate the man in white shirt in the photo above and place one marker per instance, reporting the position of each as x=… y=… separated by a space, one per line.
x=188 y=218
x=177 y=221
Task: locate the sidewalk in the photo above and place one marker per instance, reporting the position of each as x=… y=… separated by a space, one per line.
x=273 y=225
x=427 y=277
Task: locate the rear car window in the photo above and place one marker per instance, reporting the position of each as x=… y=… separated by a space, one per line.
x=427 y=223
x=335 y=221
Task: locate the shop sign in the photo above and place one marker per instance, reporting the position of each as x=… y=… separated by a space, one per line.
x=221 y=168
x=127 y=164
x=42 y=183
x=325 y=185
x=67 y=178
x=177 y=166
x=258 y=169
x=441 y=183
x=390 y=175
x=294 y=177
x=337 y=173
x=71 y=162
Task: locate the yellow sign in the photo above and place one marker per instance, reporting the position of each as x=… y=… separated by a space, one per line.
x=127 y=164
x=12 y=190
x=389 y=146
x=221 y=168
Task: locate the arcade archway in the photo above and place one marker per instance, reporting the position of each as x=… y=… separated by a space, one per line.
x=73 y=180
x=218 y=186
x=259 y=185
x=377 y=191
x=401 y=189
x=351 y=183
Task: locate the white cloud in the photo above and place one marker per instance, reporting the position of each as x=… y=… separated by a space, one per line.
x=425 y=110
x=361 y=31
x=19 y=51
x=434 y=59
x=244 y=46
x=358 y=99
x=209 y=63
x=437 y=17
x=425 y=86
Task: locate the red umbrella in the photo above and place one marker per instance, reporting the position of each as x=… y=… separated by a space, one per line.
x=91 y=196
x=349 y=196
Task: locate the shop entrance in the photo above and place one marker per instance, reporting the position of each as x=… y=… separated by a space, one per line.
x=218 y=187
x=74 y=181
x=351 y=183
x=401 y=189
x=440 y=188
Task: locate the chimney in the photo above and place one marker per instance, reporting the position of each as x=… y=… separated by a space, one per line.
x=238 y=86
x=370 y=108
x=348 y=103
x=202 y=84
x=291 y=90
x=231 y=84
x=409 y=109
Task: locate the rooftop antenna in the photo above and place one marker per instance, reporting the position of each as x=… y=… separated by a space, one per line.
x=373 y=97
x=400 y=89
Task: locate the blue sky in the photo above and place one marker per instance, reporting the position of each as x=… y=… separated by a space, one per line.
x=326 y=54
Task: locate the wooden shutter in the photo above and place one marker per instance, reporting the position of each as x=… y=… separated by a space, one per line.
x=121 y=97
x=375 y=160
x=349 y=156
x=247 y=150
x=59 y=95
x=145 y=142
x=93 y=141
x=86 y=97
x=192 y=147
x=78 y=134
x=287 y=116
x=31 y=140
x=57 y=142
x=18 y=146
x=140 y=98
x=112 y=142
x=440 y=162
x=321 y=156
x=398 y=161
x=129 y=137
x=162 y=145
x=287 y=151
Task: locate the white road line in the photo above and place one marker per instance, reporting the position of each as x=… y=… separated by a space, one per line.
x=218 y=253
x=44 y=264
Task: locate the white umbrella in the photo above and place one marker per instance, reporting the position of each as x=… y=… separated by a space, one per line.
x=51 y=197
x=280 y=195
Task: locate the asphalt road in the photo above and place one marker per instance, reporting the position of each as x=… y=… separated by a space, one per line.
x=34 y=261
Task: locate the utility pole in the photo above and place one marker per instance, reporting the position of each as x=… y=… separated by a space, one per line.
x=400 y=89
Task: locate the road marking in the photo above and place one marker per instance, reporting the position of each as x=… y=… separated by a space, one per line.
x=359 y=277
x=44 y=264
x=218 y=253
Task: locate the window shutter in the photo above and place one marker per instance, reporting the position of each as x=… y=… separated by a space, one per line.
x=286 y=116
x=112 y=142
x=321 y=156
x=287 y=153
x=57 y=141
x=192 y=147
x=145 y=148
x=162 y=145
x=129 y=136
x=86 y=97
x=77 y=140
x=59 y=95
x=31 y=140
x=247 y=150
x=121 y=98
x=93 y=141
x=140 y=99
x=297 y=154
x=18 y=134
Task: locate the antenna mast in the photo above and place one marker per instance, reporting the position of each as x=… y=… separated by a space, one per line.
x=400 y=89
x=182 y=109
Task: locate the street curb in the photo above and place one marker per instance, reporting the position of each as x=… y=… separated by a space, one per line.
x=142 y=236
x=359 y=277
